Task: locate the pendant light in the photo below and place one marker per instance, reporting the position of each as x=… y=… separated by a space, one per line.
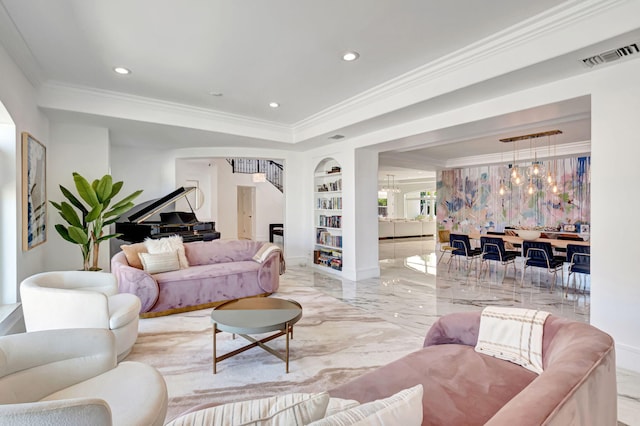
x=516 y=176
x=502 y=189
x=390 y=188
x=536 y=169
x=259 y=176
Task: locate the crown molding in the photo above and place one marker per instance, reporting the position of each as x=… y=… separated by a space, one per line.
x=13 y=42
x=409 y=88
x=523 y=155
x=86 y=100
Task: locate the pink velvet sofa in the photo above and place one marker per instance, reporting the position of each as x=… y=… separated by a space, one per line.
x=463 y=387
x=218 y=271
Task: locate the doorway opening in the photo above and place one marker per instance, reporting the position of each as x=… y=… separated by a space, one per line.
x=246 y=212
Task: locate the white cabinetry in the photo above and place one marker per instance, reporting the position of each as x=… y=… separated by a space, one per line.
x=327 y=215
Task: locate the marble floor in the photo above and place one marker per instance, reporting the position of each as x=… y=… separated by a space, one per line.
x=413 y=291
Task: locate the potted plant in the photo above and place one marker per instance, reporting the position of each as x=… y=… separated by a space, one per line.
x=85 y=227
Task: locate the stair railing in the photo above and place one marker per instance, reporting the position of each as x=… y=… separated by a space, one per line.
x=272 y=170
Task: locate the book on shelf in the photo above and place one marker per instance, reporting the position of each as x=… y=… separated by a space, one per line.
x=330 y=186
x=330 y=221
x=325 y=238
x=328 y=258
x=332 y=203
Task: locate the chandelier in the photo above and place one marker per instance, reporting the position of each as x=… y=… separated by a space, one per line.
x=390 y=188
x=536 y=171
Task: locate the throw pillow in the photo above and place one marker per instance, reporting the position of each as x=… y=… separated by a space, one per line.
x=131 y=253
x=168 y=244
x=265 y=251
x=512 y=334
x=286 y=410
x=154 y=263
x=339 y=404
x=404 y=408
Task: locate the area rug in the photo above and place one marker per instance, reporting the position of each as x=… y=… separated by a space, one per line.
x=333 y=343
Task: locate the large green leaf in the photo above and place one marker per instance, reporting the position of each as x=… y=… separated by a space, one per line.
x=56 y=205
x=107 y=237
x=64 y=233
x=85 y=190
x=94 y=213
x=104 y=188
x=118 y=211
x=73 y=200
x=69 y=214
x=126 y=200
x=78 y=235
x=115 y=189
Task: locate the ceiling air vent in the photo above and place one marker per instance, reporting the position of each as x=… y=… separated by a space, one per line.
x=611 y=55
x=336 y=137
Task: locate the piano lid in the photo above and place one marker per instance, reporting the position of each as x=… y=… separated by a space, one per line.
x=145 y=212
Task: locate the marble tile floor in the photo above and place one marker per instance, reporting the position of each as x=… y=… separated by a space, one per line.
x=413 y=291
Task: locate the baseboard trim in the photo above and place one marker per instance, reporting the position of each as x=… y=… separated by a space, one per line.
x=628 y=357
x=361 y=274
x=297 y=260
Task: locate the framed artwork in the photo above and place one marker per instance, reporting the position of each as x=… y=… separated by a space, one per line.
x=34 y=192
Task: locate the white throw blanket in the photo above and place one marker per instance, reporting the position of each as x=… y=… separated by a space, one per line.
x=513 y=334
x=265 y=251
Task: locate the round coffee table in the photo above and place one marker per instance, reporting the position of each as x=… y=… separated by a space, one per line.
x=256 y=315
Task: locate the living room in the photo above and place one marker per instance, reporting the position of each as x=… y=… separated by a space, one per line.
x=123 y=127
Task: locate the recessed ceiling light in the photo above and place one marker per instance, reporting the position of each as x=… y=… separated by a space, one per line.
x=274 y=104
x=350 y=56
x=122 y=70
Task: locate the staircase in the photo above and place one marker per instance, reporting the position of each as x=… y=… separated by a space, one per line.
x=271 y=169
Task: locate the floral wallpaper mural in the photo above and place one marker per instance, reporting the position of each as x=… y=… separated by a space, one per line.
x=470 y=200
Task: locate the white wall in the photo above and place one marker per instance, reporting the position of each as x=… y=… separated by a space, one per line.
x=365 y=216
x=150 y=170
x=298 y=208
x=615 y=130
x=18 y=97
x=205 y=173
x=81 y=149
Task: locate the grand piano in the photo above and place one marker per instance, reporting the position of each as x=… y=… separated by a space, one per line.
x=146 y=220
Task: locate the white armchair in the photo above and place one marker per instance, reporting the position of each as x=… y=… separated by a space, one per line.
x=71 y=377
x=81 y=299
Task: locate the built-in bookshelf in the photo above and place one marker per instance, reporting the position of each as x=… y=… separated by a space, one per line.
x=327 y=215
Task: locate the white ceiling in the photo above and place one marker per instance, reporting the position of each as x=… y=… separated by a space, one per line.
x=253 y=52
x=287 y=51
